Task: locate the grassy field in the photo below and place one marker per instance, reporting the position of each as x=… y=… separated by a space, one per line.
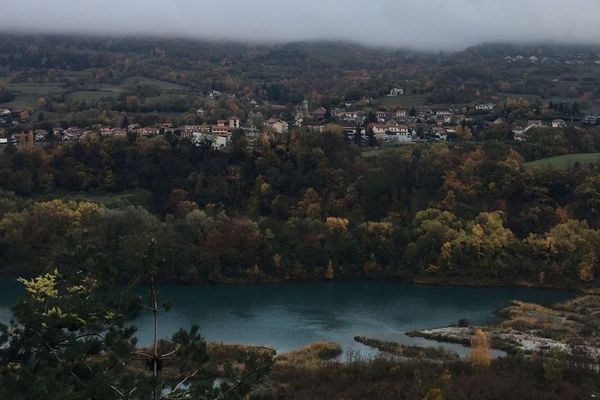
x=34 y=88
x=564 y=162
x=90 y=95
x=167 y=86
x=28 y=93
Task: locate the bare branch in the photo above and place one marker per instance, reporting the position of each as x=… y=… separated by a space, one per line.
x=183 y=382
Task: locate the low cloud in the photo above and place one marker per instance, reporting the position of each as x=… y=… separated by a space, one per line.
x=425 y=24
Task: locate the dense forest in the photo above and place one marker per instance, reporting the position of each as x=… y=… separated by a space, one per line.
x=308 y=206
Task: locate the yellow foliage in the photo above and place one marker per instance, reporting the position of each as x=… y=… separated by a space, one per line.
x=519 y=103
x=447 y=250
x=481 y=355
x=384 y=229
x=311 y=356
x=42 y=287
x=69 y=212
x=478 y=231
x=337 y=224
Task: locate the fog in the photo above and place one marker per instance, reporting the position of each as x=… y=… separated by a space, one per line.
x=424 y=24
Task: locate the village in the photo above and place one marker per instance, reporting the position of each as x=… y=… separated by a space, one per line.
x=366 y=123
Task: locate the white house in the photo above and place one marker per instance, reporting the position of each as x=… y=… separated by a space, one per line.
x=381 y=115
x=519 y=133
x=398 y=129
x=394 y=92
x=380 y=130
x=401 y=113
x=559 y=123
x=220 y=141
x=439 y=133
x=398 y=134
x=485 y=107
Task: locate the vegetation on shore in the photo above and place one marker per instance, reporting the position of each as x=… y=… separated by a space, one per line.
x=505 y=378
x=571 y=327
x=408 y=352
x=311 y=355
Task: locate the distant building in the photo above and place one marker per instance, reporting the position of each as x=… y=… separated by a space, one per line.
x=394 y=92
x=188 y=131
x=220 y=141
x=379 y=130
x=40 y=135
x=319 y=114
x=277 y=125
x=519 y=133
x=533 y=123
x=315 y=128
x=234 y=122
x=439 y=133
x=401 y=113
x=219 y=130
x=382 y=116
x=485 y=107
x=148 y=131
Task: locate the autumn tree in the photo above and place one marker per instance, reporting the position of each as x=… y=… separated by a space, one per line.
x=481 y=355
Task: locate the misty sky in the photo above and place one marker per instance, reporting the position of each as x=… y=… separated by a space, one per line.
x=426 y=24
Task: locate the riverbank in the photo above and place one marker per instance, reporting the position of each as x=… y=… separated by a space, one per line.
x=570 y=326
x=423 y=280
x=435 y=354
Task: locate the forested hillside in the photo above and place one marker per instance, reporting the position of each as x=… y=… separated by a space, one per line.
x=313 y=206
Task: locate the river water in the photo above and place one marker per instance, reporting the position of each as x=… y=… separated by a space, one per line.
x=289 y=316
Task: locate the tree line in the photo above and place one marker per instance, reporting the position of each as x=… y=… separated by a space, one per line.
x=305 y=206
